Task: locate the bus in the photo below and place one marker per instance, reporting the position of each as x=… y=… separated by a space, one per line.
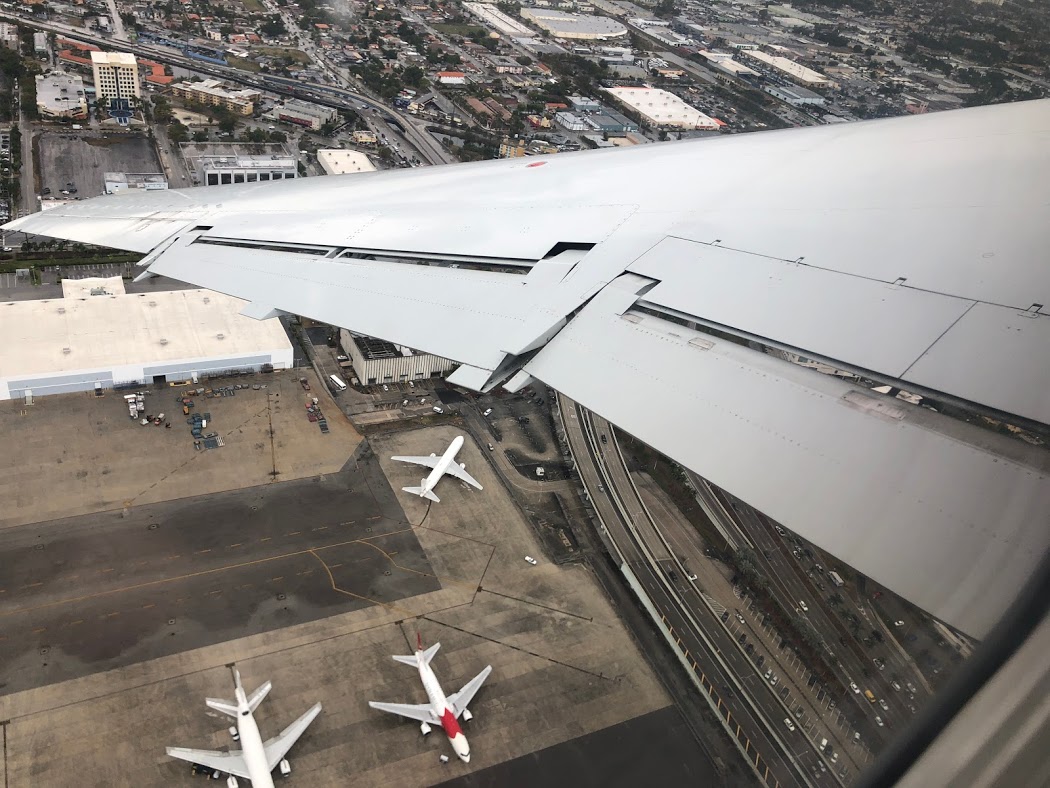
x=337 y=384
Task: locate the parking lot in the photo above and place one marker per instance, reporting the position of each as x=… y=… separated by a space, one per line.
x=78 y=453
x=83 y=159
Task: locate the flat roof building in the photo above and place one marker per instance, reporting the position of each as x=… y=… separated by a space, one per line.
x=117 y=182
x=795 y=96
x=311 y=116
x=218 y=169
x=490 y=15
x=60 y=95
x=344 y=162
x=377 y=361
x=723 y=61
x=116 y=76
x=796 y=72
x=98 y=335
x=581 y=27
x=661 y=108
x=213 y=93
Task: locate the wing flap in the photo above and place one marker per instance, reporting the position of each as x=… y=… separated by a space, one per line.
x=455 y=469
x=843 y=467
x=277 y=747
x=228 y=762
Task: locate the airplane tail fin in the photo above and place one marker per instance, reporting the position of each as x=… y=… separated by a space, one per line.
x=430 y=652
x=429 y=494
x=257 y=697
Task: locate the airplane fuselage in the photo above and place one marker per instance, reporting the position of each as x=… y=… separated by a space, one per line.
x=252 y=745
x=439 y=702
x=446 y=460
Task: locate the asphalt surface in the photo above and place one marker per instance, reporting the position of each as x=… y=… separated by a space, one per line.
x=654 y=749
x=88 y=594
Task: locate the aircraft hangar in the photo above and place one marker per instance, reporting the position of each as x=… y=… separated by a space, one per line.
x=97 y=336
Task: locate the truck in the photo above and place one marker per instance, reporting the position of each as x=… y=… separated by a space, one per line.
x=836 y=579
x=869 y=695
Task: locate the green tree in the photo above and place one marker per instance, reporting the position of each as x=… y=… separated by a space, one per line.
x=200 y=136
x=413 y=76
x=178 y=133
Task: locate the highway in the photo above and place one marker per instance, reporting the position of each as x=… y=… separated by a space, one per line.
x=790 y=582
x=754 y=713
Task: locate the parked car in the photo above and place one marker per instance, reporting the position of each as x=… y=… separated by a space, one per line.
x=531 y=560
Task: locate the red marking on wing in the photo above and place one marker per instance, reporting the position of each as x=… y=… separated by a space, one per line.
x=449 y=723
x=536 y=164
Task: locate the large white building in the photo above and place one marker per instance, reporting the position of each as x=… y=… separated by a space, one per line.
x=98 y=336
x=796 y=72
x=663 y=109
x=61 y=95
x=582 y=27
x=213 y=93
x=300 y=113
x=497 y=20
x=116 y=76
x=343 y=162
x=218 y=170
x=377 y=361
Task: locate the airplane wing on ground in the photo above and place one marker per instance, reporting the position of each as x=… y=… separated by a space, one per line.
x=277 y=747
x=421 y=712
x=733 y=302
x=457 y=470
x=228 y=762
x=430 y=462
x=460 y=700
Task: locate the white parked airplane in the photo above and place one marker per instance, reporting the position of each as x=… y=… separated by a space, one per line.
x=440 y=710
x=446 y=463
x=256 y=759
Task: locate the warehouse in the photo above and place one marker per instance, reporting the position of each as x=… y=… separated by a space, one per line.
x=377 y=361
x=343 y=162
x=580 y=27
x=785 y=67
x=97 y=336
x=663 y=109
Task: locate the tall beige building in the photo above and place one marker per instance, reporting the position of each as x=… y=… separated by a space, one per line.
x=116 y=76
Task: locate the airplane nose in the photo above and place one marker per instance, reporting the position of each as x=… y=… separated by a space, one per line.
x=465 y=757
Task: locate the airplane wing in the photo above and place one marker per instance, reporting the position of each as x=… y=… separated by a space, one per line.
x=460 y=700
x=457 y=470
x=701 y=309
x=421 y=712
x=277 y=747
x=430 y=462
x=228 y=762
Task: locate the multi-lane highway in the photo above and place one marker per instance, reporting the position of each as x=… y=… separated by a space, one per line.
x=754 y=710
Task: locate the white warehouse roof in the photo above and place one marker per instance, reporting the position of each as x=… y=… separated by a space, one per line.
x=662 y=108
x=342 y=162
x=806 y=76
x=582 y=26
x=83 y=332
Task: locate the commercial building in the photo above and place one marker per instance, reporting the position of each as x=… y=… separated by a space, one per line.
x=581 y=27
x=723 y=61
x=364 y=138
x=795 y=96
x=116 y=76
x=117 y=182
x=60 y=95
x=343 y=162
x=9 y=35
x=213 y=93
x=512 y=148
x=377 y=361
x=496 y=19
x=218 y=169
x=789 y=69
x=97 y=336
x=609 y=122
x=662 y=109
x=452 y=78
x=40 y=43
x=570 y=121
x=311 y=116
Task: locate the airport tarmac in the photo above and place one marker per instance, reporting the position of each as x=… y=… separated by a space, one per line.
x=78 y=453
x=563 y=664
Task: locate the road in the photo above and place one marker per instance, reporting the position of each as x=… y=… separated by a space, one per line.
x=790 y=583
x=719 y=664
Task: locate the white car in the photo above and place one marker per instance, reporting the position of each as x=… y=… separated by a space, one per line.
x=878 y=720
x=438 y=410
x=853 y=686
x=487 y=412
x=790 y=725
x=802 y=605
x=342 y=358
x=883 y=705
x=773 y=681
x=531 y=560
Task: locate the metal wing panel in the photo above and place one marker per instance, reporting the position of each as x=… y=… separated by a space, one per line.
x=910 y=498
x=457 y=314
x=230 y=763
x=277 y=747
x=421 y=712
x=460 y=473
x=461 y=700
x=871 y=324
x=430 y=462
